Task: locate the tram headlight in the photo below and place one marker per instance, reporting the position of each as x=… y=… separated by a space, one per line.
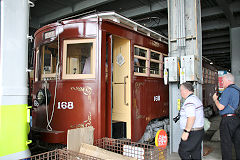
x=41 y=96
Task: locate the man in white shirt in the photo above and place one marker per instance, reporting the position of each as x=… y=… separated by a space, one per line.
x=192 y=122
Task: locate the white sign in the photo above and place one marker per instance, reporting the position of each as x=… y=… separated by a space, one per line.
x=65 y=105
x=49 y=34
x=156 y=98
x=120 y=59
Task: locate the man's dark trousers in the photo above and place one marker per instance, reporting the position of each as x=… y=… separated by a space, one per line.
x=230 y=133
x=191 y=148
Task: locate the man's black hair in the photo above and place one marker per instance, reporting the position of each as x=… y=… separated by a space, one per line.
x=188 y=86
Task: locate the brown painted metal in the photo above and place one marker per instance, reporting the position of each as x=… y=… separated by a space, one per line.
x=109 y=86
x=209 y=88
x=92 y=97
x=144 y=108
x=88 y=109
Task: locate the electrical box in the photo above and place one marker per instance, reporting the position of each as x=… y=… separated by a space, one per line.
x=189 y=65
x=171 y=65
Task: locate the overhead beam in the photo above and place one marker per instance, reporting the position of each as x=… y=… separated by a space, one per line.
x=221 y=66
x=216 y=51
x=63 y=3
x=215 y=33
x=216 y=40
x=207 y=25
x=228 y=13
x=225 y=55
x=215 y=24
x=219 y=57
x=222 y=54
x=222 y=62
x=216 y=46
x=235 y=6
x=81 y=6
x=145 y=9
x=78 y=7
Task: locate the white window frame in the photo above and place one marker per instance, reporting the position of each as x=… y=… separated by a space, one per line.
x=142 y=58
x=160 y=62
x=148 y=62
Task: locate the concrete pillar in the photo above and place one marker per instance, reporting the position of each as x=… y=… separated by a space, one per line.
x=14 y=111
x=235 y=53
x=184 y=39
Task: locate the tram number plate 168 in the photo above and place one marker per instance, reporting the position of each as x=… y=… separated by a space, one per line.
x=65 y=105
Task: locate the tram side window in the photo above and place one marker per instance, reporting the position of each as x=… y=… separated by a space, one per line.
x=49 y=60
x=156 y=61
x=148 y=62
x=140 y=61
x=78 y=59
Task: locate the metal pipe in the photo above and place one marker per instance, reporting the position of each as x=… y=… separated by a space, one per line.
x=178 y=23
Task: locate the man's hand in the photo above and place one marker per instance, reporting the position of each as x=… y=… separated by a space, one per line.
x=215 y=97
x=218 y=104
x=185 y=136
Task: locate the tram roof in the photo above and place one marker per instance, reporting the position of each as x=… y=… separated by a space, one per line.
x=128 y=22
x=117 y=18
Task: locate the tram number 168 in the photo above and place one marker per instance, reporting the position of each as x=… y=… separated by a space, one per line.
x=65 y=105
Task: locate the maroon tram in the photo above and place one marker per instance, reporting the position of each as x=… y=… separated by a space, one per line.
x=102 y=71
x=209 y=87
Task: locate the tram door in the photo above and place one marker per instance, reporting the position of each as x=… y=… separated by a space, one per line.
x=121 y=98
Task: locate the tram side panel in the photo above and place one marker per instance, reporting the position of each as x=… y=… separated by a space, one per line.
x=150 y=101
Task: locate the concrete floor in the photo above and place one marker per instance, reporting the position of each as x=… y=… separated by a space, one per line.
x=211 y=142
x=215 y=152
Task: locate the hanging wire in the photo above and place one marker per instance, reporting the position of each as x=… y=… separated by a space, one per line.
x=49 y=128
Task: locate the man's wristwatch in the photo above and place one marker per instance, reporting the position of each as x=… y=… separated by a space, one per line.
x=186 y=131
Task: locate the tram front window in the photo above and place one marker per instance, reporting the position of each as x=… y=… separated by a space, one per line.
x=49 y=60
x=79 y=59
